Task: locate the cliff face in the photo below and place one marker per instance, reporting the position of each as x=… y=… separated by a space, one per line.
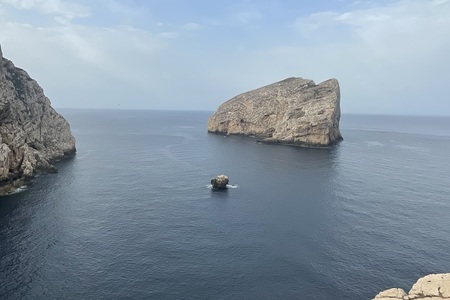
x=431 y=287
x=32 y=133
x=294 y=111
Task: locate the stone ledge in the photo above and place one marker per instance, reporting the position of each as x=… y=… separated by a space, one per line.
x=430 y=287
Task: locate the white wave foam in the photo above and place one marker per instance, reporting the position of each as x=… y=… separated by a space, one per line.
x=230 y=186
x=374 y=143
x=19 y=190
x=412 y=148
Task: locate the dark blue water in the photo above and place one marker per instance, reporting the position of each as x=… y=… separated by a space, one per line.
x=131 y=215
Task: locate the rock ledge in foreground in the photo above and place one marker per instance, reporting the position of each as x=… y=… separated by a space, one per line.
x=430 y=287
x=294 y=111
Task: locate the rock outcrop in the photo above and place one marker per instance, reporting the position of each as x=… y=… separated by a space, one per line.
x=294 y=111
x=32 y=133
x=220 y=182
x=430 y=287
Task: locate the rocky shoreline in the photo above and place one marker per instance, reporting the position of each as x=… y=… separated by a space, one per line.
x=430 y=287
x=32 y=134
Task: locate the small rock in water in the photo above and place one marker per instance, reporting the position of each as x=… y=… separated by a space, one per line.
x=220 y=182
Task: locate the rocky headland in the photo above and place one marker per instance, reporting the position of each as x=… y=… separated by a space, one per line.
x=430 y=287
x=32 y=134
x=294 y=111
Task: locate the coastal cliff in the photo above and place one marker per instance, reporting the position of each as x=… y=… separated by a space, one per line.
x=430 y=287
x=294 y=111
x=32 y=133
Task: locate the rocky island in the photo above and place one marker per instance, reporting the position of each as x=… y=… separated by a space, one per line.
x=32 y=134
x=220 y=182
x=294 y=111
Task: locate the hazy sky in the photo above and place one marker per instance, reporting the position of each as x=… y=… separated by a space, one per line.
x=389 y=56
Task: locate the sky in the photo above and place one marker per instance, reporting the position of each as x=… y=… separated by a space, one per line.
x=390 y=56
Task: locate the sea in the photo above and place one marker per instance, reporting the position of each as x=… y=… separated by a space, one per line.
x=132 y=215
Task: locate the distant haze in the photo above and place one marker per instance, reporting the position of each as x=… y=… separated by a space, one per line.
x=390 y=57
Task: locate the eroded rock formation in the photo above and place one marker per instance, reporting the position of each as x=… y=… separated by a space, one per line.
x=294 y=111
x=220 y=182
x=32 y=133
x=430 y=287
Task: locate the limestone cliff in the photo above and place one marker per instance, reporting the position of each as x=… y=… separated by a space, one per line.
x=32 y=133
x=431 y=287
x=294 y=111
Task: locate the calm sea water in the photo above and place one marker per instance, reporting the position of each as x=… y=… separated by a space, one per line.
x=131 y=215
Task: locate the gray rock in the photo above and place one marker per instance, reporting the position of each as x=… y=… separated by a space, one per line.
x=432 y=287
x=32 y=133
x=394 y=293
x=220 y=182
x=294 y=111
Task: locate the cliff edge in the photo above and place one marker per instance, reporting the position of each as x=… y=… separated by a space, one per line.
x=430 y=287
x=32 y=133
x=294 y=111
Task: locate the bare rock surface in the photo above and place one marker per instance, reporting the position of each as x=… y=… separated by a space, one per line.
x=220 y=182
x=294 y=111
x=32 y=133
x=430 y=287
